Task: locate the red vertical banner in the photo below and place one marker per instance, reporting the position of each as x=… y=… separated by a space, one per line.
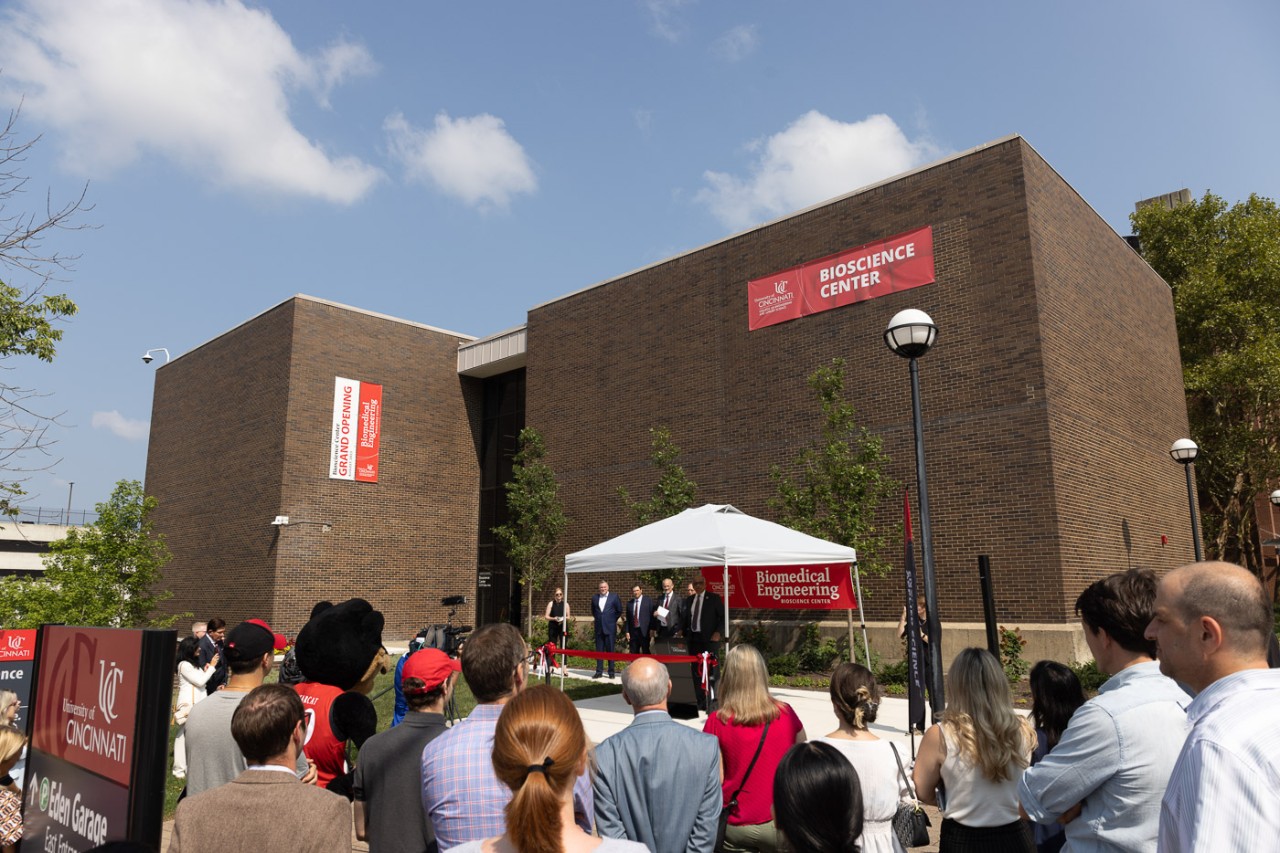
x=369 y=433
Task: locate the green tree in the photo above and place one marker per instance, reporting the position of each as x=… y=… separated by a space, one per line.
x=105 y=574
x=537 y=517
x=1223 y=264
x=27 y=314
x=672 y=494
x=839 y=480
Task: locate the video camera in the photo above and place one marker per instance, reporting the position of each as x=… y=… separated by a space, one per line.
x=446 y=637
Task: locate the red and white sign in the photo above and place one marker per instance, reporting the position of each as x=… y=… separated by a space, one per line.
x=822 y=587
x=93 y=673
x=856 y=275
x=357 y=425
x=17 y=644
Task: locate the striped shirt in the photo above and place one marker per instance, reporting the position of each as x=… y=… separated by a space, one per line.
x=1222 y=794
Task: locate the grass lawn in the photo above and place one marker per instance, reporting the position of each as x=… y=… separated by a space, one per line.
x=385 y=705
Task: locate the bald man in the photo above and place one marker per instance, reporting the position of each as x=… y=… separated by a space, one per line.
x=657 y=781
x=1211 y=627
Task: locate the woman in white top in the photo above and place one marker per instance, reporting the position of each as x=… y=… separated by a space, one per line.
x=978 y=752
x=855 y=696
x=191 y=683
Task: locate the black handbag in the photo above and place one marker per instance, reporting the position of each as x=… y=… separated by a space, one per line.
x=732 y=806
x=910 y=823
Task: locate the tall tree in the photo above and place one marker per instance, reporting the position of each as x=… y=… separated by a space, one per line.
x=839 y=479
x=28 y=315
x=537 y=517
x=673 y=492
x=1223 y=263
x=104 y=574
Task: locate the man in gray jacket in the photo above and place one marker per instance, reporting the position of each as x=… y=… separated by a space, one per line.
x=658 y=782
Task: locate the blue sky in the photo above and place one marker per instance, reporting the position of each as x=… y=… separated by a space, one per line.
x=458 y=163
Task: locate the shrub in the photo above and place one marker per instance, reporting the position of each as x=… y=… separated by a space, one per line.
x=1091 y=678
x=1011 y=645
x=892 y=674
x=785 y=665
x=818 y=655
x=754 y=635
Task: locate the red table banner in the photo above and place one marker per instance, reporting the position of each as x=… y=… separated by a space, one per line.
x=855 y=275
x=819 y=587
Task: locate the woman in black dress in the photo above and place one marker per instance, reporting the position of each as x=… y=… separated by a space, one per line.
x=557 y=620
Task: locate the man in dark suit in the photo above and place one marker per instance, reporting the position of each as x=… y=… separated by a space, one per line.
x=704 y=626
x=666 y=612
x=208 y=648
x=266 y=807
x=606 y=610
x=639 y=618
x=659 y=781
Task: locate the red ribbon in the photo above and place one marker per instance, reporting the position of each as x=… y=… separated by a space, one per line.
x=705 y=658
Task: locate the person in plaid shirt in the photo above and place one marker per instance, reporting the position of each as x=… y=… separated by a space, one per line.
x=461 y=794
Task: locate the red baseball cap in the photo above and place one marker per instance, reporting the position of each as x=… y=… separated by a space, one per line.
x=432 y=666
x=279 y=643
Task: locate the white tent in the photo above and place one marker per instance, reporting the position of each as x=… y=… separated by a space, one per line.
x=711 y=535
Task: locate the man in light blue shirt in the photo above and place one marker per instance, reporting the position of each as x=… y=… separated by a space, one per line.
x=1108 y=772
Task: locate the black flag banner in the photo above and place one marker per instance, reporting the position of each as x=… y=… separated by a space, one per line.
x=915 y=651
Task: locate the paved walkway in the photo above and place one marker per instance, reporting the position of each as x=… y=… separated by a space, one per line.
x=608 y=715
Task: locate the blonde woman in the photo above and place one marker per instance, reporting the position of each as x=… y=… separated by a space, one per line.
x=11 y=779
x=978 y=752
x=558 y=619
x=12 y=742
x=740 y=726
x=855 y=697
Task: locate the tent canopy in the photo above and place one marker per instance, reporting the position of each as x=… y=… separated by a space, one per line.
x=711 y=535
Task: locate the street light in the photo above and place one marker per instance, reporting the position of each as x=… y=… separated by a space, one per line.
x=1184 y=452
x=1275 y=498
x=910 y=334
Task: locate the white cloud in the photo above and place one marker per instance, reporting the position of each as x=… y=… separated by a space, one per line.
x=121 y=426
x=815 y=158
x=471 y=158
x=737 y=44
x=665 y=19
x=205 y=83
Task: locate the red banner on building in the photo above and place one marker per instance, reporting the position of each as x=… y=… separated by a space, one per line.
x=93 y=674
x=823 y=587
x=856 y=275
x=357 y=425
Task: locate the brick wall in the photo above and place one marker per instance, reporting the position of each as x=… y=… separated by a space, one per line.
x=241 y=434
x=669 y=345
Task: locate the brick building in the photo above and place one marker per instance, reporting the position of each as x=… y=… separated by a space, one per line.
x=1049 y=404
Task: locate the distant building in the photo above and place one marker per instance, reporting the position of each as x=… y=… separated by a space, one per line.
x=1049 y=404
x=23 y=545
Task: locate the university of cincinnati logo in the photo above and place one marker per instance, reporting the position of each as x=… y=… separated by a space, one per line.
x=779 y=287
x=16 y=641
x=780 y=296
x=108 y=682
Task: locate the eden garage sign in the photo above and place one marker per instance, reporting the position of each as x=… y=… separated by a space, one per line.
x=856 y=275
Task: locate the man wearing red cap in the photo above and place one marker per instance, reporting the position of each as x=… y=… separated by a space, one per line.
x=388 y=780
x=213 y=758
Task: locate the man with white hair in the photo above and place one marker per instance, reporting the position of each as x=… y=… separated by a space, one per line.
x=1211 y=627
x=658 y=781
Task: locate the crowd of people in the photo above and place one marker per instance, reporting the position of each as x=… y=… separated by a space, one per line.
x=1178 y=751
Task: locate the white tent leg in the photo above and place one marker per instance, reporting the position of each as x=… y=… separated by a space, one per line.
x=862 y=617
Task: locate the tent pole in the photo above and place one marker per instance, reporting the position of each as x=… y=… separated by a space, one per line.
x=862 y=617
x=725 y=635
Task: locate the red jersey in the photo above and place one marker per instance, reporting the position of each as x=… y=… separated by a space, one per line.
x=322 y=747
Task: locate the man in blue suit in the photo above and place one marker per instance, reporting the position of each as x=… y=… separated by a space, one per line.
x=639 y=620
x=658 y=781
x=606 y=610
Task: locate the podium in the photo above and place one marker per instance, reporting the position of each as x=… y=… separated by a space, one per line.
x=683 y=704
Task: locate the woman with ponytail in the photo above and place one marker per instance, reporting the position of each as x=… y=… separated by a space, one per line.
x=817 y=800
x=855 y=696
x=539 y=751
